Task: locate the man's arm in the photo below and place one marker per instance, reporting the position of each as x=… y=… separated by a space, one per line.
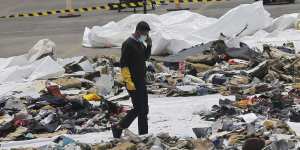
x=125 y=72
x=124 y=55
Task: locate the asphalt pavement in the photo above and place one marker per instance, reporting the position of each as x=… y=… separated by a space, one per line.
x=18 y=35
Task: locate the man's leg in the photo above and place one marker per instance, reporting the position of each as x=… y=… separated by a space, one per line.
x=132 y=114
x=142 y=112
x=143 y=124
x=128 y=119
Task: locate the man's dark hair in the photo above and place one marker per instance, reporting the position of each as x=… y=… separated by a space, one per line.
x=142 y=26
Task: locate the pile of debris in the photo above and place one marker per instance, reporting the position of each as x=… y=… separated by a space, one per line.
x=216 y=68
x=27 y=118
x=265 y=109
x=130 y=142
x=264 y=121
x=251 y=122
x=76 y=95
x=57 y=96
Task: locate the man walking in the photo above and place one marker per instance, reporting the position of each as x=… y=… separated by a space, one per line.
x=133 y=70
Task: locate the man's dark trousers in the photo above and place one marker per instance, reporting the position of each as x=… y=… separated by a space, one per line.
x=140 y=110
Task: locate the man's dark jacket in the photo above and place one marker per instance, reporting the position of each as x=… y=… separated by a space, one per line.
x=134 y=55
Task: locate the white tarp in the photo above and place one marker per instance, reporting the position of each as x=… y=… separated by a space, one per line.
x=283 y=22
x=30 y=66
x=46 y=68
x=169 y=32
x=44 y=46
x=276 y=37
x=254 y=16
x=41 y=69
x=174 y=31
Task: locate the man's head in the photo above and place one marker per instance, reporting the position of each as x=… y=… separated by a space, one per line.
x=142 y=30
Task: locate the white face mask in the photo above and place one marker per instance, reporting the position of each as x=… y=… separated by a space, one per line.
x=142 y=38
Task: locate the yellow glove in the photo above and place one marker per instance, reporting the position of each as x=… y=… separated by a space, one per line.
x=127 y=78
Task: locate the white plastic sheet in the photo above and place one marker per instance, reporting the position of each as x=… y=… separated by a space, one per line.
x=254 y=16
x=175 y=31
x=277 y=38
x=170 y=32
x=44 y=46
x=86 y=66
x=69 y=61
x=20 y=60
x=249 y=118
x=295 y=126
x=41 y=69
x=45 y=69
x=30 y=66
x=15 y=74
x=104 y=84
x=283 y=22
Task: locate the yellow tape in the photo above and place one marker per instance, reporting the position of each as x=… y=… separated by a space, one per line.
x=186 y=2
x=124 y=5
x=81 y=10
x=140 y=3
x=132 y=4
x=26 y=15
x=72 y=10
x=158 y=3
x=62 y=11
x=53 y=12
x=149 y=2
x=90 y=9
x=115 y=6
x=44 y=13
x=108 y=7
x=35 y=14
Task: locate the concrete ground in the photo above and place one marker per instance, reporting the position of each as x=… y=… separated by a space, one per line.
x=18 y=35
